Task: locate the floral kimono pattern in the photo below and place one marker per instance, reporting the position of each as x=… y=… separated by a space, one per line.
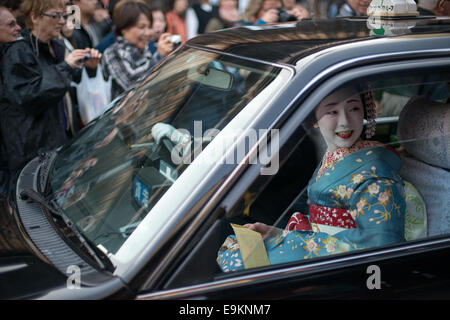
x=356 y=202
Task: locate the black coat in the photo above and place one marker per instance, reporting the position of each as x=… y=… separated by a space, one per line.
x=83 y=39
x=34 y=84
x=4 y=172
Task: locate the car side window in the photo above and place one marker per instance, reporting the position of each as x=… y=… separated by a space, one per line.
x=342 y=189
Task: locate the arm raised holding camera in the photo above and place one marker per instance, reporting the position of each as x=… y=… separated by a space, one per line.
x=83 y=57
x=269 y=16
x=93 y=58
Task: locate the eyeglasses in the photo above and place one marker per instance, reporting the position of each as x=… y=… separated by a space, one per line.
x=56 y=15
x=12 y=24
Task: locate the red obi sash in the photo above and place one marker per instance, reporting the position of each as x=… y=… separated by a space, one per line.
x=336 y=217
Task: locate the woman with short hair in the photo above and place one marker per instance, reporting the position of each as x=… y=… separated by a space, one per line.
x=129 y=58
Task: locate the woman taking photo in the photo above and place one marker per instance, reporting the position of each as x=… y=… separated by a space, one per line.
x=36 y=77
x=129 y=58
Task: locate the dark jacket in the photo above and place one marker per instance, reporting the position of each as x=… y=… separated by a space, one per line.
x=34 y=84
x=83 y=38
x=204 y=16
x=4 y=172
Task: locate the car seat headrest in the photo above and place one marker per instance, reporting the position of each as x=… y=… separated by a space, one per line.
x=424 y=131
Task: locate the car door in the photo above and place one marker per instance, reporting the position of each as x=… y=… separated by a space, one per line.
x=415 y=268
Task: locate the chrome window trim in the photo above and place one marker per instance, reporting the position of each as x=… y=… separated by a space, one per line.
x=418 y=60
x=417 y=54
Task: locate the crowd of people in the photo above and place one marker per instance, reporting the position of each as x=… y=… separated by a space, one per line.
x=42 y=55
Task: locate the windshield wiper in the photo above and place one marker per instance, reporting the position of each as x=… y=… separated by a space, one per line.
x=56 y=210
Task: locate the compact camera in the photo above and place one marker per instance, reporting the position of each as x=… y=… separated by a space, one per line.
x=283 y=16
x=86 y=58
x=175 y=38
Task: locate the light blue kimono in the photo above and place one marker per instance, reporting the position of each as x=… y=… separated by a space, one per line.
x=367 y=184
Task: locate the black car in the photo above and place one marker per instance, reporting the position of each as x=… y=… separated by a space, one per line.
x=119 y=213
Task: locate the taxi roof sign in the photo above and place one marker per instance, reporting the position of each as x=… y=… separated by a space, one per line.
x=393 y=8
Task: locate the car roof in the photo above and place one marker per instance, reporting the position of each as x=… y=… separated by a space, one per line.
x=287 y=43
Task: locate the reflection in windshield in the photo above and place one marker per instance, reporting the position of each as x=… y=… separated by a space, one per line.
x=110 y=177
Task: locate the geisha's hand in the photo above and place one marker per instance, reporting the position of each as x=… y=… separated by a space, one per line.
x=162 y=130
x=265 y=230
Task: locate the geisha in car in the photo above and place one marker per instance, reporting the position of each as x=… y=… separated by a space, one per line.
x=356 y=197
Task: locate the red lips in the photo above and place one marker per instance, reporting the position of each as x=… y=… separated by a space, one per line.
x=345 y=134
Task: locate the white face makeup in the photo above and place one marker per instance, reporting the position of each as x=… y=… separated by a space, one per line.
x=340 y=118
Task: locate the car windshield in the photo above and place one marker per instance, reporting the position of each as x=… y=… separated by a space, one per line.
x=111 y=176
